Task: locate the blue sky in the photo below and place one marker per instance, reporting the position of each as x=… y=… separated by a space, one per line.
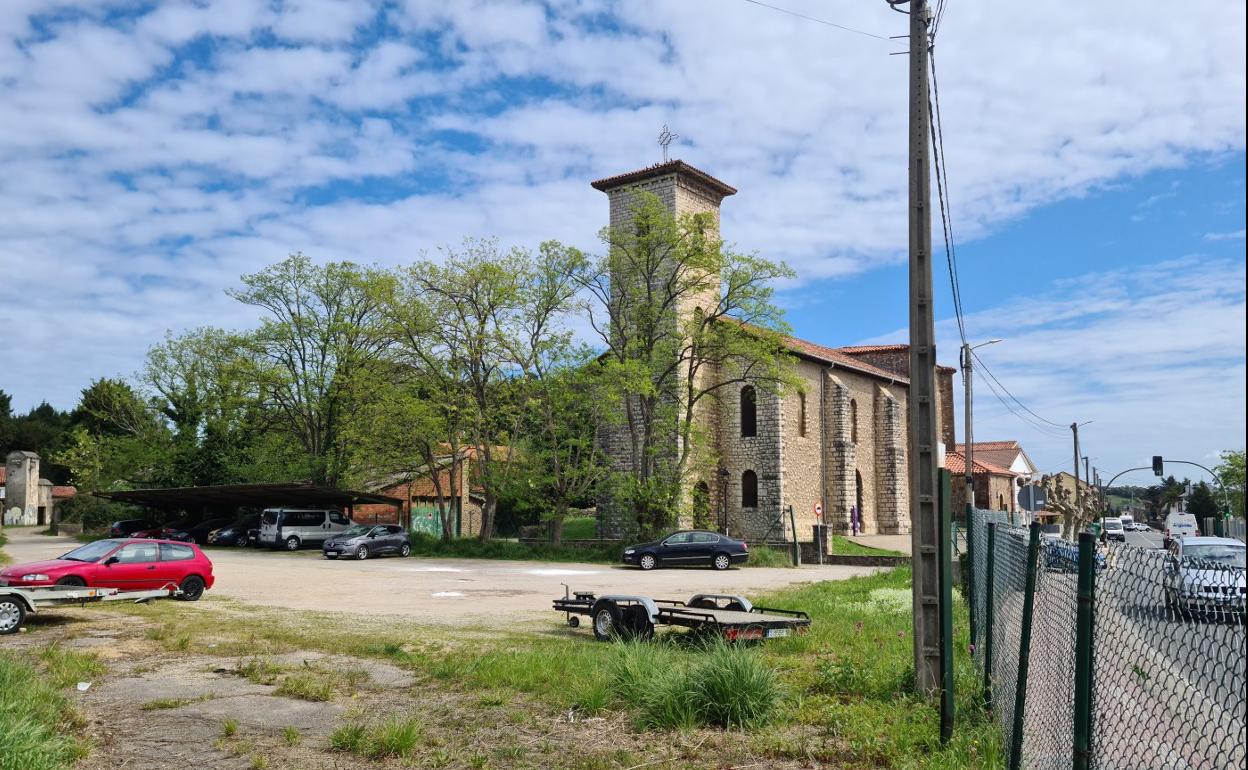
x=155 y=151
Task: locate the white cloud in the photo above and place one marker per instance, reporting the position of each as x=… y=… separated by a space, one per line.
x=1237 y=235
x=1153 y=356
x=153 y=154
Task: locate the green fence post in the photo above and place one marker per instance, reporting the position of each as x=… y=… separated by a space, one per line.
x=970 y=569
x=1217 y=526
x=946 y=608
x=992 y=540
x=1024 y=648
x=1083 y=651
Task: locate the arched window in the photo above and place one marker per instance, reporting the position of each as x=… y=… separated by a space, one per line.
x=1000 y=502
x=801 y=413
x=853 y=421
x=749 y=490
x=749 y=412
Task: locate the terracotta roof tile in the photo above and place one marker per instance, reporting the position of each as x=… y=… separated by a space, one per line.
x=851 y=349
x=835 y=356
x=663 y=169
x=955 y=463
x=64 y=491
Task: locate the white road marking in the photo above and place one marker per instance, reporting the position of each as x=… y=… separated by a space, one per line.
x=443 y=594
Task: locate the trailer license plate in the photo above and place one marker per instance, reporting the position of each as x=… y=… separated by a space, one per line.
x=772 y=633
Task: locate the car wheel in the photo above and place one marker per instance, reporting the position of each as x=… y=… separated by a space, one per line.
x=721 y=561
x=647 y=561
x=606 y=617
x=292 y=543
x=405 y=551
x=12 y=613
x=192 y=588
x=361 y=553
x=72 y=580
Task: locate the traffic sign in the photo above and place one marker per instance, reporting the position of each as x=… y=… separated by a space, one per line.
x=1031 y=497
x=819 y=510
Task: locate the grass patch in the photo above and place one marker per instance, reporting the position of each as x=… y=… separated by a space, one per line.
x=320 y=684
x=766 y=556
x=397 y=738
x=4 y=557
x=424 y=544
x=229 y=727
x=39 y=729
x=291 y=736
x=173 y=703
x=66 y=667
x=847 y=546
x=580 y=528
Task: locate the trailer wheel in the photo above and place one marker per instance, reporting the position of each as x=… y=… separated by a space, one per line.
x=72 y=580
x=721 y=561
x=192 y=588
x=606 y=617
x=12 y=613
x=635 y=623
x=574 y=621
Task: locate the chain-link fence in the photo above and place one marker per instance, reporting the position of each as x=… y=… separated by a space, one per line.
x=1118 y=657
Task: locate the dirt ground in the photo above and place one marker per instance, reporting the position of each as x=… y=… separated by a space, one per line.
x=209 y=695
x=443 y=591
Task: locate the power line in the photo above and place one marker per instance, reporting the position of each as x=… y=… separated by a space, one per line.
x=817 y=21
x=942 y=192
x=1022 y=416
x=1012 y=397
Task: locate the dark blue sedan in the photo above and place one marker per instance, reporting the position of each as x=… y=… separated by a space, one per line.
x=695 y=547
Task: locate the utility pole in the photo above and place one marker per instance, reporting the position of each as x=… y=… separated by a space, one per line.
x=968 y=436
x=921 y=395
x=1074 y=428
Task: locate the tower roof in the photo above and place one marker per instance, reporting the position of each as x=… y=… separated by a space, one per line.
x=663 y=169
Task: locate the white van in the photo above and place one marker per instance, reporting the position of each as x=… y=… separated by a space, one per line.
x=1128 y=522
x=293 y=528
x=1179 y=525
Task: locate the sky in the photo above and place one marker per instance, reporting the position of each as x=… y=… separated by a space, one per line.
x=153 y=152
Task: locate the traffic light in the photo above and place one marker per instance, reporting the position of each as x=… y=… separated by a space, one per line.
x=1158 y=469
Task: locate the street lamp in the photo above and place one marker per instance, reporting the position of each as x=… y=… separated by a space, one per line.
x=966 y=388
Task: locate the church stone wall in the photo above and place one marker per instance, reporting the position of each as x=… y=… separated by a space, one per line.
x=892 y=514
x=759 y=453
x=800 y=455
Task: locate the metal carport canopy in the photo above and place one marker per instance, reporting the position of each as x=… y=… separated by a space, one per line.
x=288 y=495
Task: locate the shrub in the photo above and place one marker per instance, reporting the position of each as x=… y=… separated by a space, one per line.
x=732 y=687
x=37 y=724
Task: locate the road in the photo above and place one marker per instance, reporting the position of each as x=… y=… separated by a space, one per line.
x=444 y=591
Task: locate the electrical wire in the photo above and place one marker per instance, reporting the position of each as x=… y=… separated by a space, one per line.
x=942 y=192
x=1023 y=416
x=817 y=21
x=993 y=378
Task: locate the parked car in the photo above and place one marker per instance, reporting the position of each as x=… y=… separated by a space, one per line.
x=292 y=528
x=235 y=533
x=126 y=527
x=1179 y=525
x=164 y=533
x=688 y=547
x=1063 y=556
x=364 y=540
x=1205 y=574
x=1111 y=529
x=127 y=564
x=199 y=532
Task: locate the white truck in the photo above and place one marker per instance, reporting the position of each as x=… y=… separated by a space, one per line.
x=1128 y=522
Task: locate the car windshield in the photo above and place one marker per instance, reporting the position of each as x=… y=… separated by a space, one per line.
x=1112 y=524
x=356 y=531
x=1219 y=553
x=91 y=552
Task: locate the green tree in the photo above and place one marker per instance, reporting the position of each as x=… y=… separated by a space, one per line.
x=456 y=322
x=682 y=319
x=323 y=324
x=1201 y=504
x=1230 y=471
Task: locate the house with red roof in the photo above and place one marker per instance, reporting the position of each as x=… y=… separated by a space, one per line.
x=25 y=498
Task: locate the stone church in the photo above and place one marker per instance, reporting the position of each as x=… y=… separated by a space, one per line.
x=836 y=444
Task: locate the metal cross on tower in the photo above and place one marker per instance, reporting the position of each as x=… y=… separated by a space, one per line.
x=666 y=137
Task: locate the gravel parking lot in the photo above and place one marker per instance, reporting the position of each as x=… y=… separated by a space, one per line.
x=450 y=591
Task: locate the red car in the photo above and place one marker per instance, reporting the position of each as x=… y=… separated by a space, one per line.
x=127 y=564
